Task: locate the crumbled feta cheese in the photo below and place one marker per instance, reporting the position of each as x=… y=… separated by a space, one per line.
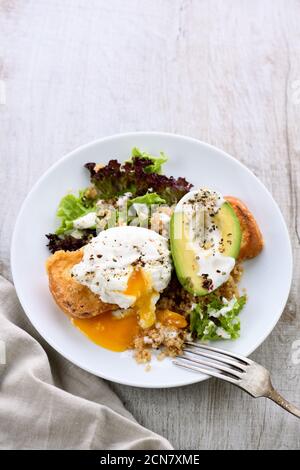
x=222 y=333
x=86 y=221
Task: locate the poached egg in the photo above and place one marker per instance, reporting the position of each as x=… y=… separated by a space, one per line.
x=127 y=266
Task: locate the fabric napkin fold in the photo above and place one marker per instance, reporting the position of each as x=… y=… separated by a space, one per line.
x=46 y=402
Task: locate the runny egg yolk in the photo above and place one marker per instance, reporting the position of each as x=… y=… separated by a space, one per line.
x=140 y=287
x=117 y=334
x=109 y=331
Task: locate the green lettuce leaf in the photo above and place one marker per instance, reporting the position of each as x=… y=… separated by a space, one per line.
x=218 y=319
x=148 y=198
x=70 y=208
x=157 y=162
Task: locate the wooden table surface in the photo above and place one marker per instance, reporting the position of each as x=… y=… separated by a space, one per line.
x=226 y=72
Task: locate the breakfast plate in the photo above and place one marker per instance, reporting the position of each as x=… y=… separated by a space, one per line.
x=267 y=278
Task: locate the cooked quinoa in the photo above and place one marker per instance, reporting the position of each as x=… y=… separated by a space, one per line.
x=170 y=340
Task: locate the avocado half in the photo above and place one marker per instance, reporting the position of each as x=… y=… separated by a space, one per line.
x=185 y=259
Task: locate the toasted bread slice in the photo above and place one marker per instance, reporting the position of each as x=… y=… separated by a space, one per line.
x=73 y=298
x=252 y=240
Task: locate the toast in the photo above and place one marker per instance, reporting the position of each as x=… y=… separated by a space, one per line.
x=72 y=297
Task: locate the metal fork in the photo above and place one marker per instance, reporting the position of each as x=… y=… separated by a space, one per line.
x=238 y=370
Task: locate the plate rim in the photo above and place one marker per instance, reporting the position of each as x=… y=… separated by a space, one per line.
x=194 y=378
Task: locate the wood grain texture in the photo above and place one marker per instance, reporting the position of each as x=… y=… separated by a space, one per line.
x=225 y=72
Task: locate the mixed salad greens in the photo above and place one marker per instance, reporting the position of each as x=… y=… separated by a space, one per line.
x=140 y=181
x=140 y=177
x=218 y=319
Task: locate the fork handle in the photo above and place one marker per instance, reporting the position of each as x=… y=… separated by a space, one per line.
x=277 y=398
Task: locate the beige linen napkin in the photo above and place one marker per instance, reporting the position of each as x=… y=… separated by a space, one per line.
x=48 y=403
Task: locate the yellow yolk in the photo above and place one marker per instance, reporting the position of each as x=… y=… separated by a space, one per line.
x=117 y=334
x=108 y=331
x=144 y=306
x=172 y=319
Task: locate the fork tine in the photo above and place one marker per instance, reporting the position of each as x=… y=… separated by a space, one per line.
x=213 y=365
x=221 y=351
x=223 y=359
x=180 y=362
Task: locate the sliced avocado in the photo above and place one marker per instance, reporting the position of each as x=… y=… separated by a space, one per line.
x=184 y=256
x=229 y=226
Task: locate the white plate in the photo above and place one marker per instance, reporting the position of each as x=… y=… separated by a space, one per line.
x=267 y=278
